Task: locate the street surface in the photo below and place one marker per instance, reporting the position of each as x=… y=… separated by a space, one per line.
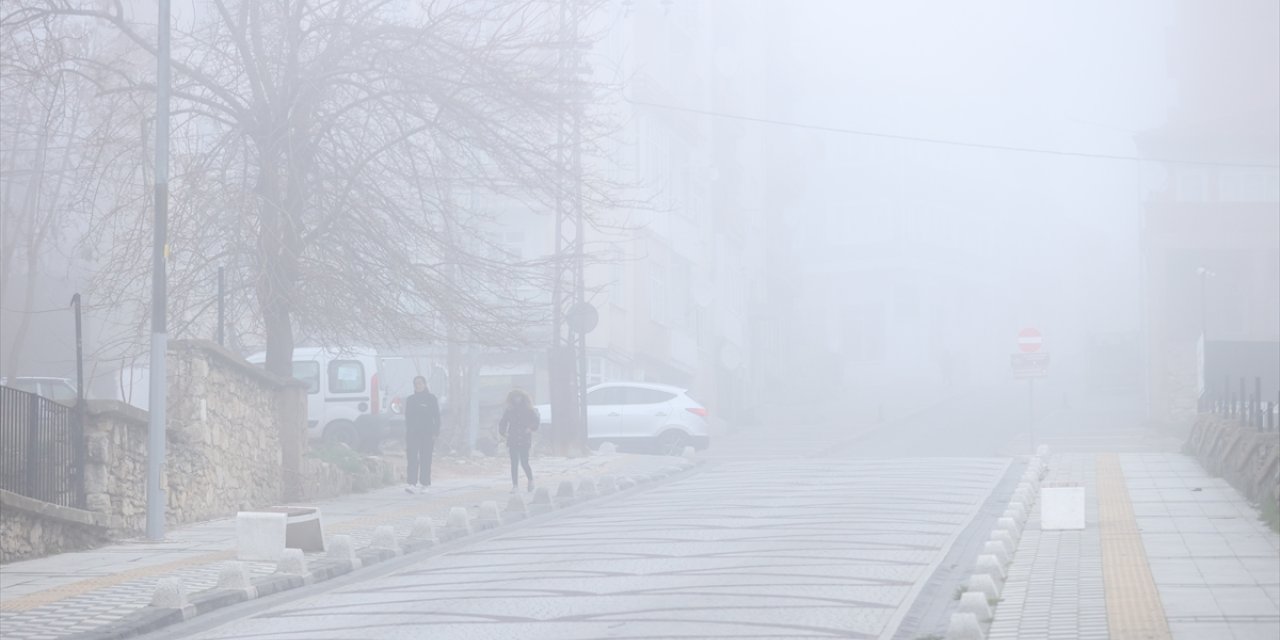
x=823 y=531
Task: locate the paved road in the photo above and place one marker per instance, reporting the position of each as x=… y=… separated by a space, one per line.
x=797 y=533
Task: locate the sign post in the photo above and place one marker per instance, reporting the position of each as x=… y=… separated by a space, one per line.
x=1030 y=364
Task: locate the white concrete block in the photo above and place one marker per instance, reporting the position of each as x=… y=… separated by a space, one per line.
x=260 y=536
x=964 y=626
x=459 y=522
x=516 y=508
x=541 y=496
x=1004 y=538
x=991 y=566
x=342 y=548
x=423 y=529
x=625 y=483
x=488 y=518
x=292 y=562
x=689 y=452
x=607 y=485
x=234 y=576
x=1062 y=508
x=1010 y=525
x=986 y=585
x=384 y=537
x=565 y=494
x=1017 y=511
x=998 y=550
x=170 y=593
x=975 y=603
x=587 y=488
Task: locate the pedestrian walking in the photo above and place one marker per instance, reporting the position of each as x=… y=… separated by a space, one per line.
x=519 y=420
x=421 y=428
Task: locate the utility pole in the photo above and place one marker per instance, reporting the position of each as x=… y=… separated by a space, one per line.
x=160 y=250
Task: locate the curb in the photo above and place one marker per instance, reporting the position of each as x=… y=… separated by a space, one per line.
x=151 y=618
x=981 y=595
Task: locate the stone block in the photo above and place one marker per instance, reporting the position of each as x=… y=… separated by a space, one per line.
x=975 y=603
x=170 y=593
x=607 y=485
x=234 y=575
x=625 y=483
x=991 y=566
x=1010 y=525
x=260 y=536
x=384 y=538
x=343 y=549
x=459 y=523
x=964 y=626
x=516 y=508
x=998 y=550
x=1004 y=538
x=541 y=502
x=292 y=562
x=587 y=488
x=986 y=585
x=565 y=495
x=488 y=518
x=423 y=529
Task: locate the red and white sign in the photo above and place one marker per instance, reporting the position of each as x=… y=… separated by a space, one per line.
x=1029 y=340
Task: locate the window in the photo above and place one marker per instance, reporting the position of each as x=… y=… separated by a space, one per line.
x=608 y=395
x=346 y=376
x=308 y=371
x=647 y=396
x=59 y=391
x=658 y=294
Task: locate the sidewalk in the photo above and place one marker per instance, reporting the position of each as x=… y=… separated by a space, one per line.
x=1168 y=551
x=68 y=593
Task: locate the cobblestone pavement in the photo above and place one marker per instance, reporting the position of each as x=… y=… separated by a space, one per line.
x=53 y=597
x=742 y=549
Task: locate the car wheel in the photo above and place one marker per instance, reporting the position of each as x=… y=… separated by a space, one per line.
x=342 y=432
x=672 y=443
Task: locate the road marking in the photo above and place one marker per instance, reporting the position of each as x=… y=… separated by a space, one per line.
x=1134 y=609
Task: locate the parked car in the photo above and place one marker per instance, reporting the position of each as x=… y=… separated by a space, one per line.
x=60 y=389
x=343 y=399
x=656 y=417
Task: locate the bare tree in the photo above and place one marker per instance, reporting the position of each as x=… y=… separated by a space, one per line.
x=308 y=141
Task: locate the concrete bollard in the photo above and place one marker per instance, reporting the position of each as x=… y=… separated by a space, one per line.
x=234 y=575
x=459 y=523
x=292 y=562
x=689 y=452
x=607 y=449
x=964 y=626
x=986 y=585
x=541 y=502
x=625 y=483
x=587 y=488
x=991 y=566
x=608 y=485
x=170 y=593
x=565 y=494
x=1005 y=539
x=1010 y=525
x=424 y=529
x=1018 y=510
x=975 y=603
x=384 y=537
x=489 y=518
x=993 y=548
x=516 y=509
x=343 y=549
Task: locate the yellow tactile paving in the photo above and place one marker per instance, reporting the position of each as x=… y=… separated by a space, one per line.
x=1134 y=609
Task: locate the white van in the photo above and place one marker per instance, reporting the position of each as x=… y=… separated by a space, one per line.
x=342 y=390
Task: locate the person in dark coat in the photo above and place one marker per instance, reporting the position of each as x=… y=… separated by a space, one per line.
x=519 y=420
x=421 y=428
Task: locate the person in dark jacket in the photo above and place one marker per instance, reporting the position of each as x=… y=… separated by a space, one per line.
x=421 y=428
x=519 y=420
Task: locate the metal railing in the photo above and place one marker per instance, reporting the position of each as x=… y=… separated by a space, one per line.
x=41 y=448
x=1248 y=406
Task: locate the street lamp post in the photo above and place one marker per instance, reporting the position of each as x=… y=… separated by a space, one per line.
x=160 y=249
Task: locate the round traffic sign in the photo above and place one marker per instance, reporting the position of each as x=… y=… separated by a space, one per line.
x=1029 y=340
x=583 y=317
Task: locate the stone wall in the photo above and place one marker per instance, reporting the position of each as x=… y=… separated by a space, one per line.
x=115 y=474
x=1245 y=457
x=31 y=528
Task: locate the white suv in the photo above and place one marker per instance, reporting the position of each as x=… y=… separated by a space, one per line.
x=659 y=416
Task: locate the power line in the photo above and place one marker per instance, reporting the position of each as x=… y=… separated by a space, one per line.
x=940 y=141
x=35 y=311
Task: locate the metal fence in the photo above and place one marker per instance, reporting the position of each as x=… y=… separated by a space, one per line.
x=41 y=448
x=1251 y=407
